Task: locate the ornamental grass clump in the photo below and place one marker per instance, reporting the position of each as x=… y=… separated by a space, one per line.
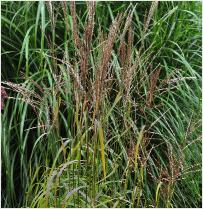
x=101 y=104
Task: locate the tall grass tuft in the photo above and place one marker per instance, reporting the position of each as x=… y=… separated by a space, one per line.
x=101 y=104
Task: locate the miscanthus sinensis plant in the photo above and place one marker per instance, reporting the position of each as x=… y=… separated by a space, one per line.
x=103 y=104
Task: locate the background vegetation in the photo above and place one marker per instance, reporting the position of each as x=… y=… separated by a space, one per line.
x=103 y=104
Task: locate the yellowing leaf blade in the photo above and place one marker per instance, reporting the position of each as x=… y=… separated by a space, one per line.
x=102 y=142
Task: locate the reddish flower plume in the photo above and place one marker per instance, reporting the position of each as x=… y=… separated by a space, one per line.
x=3 y=96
